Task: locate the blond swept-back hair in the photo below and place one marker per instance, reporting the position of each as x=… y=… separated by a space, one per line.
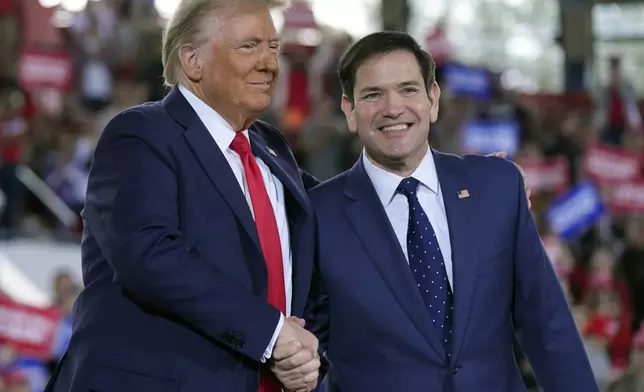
x=184 y=27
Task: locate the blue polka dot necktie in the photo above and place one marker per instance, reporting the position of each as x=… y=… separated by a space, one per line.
x=427 y=265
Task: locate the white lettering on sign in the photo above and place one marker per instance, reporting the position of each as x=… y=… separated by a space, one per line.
x=487 y=138
x=629 y=195
x=546 y=176
x=470 y=81
x=573 y=210
x=610 y=166
x=41 y=69
x=24 y=327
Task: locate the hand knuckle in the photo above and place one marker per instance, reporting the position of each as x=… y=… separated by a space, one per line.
x=311 y=376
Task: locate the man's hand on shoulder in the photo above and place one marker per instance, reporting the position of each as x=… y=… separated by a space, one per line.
x=295 y=359
x=525 y=180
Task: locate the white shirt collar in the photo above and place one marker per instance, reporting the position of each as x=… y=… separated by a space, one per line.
x=386 y=182
x=217 y=126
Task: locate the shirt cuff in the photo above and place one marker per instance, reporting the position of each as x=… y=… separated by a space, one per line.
x=271 y=344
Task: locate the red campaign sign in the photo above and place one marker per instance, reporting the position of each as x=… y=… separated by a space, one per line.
x=29 y=329
x=550 y=175
x=610 y=165
x=45 y=71
x=627 y=198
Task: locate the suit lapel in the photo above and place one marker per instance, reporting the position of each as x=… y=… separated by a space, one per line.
x=285 y=171
x=299 y=214
x=461 y=218
x=211 y=159
x=369 y=220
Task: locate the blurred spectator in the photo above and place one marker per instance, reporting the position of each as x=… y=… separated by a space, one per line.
x=64 y=330
x=22 y=374
x=16 y=113
x=96 y=84
x=321 y=139
x=16 y=381
x=567 y=141
x=633 y=378
x=63 y=283
x=632 y=265
x=616 y=107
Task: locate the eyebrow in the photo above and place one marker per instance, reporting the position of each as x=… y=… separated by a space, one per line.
x=372 y=89
x=258 y=40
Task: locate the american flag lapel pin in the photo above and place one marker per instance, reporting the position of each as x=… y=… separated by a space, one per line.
x=463 y=194
x=271 y=151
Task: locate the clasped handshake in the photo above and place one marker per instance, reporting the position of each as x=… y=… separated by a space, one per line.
x=295 y=360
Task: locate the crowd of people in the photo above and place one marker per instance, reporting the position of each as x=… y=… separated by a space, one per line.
x=601 y=267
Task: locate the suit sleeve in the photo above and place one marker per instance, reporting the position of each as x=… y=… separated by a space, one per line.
x=543 y=323
x=132 y=210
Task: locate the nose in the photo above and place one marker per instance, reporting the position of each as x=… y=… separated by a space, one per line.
x=394 y=107
x=268 y=60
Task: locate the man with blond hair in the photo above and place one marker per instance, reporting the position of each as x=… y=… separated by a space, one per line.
x=199 y=237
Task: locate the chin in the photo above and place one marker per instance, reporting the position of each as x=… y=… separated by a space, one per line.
x=259 y=104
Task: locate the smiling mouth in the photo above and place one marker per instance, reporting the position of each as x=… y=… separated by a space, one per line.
x=395 y=128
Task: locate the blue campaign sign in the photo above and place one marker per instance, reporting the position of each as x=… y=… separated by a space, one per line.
x=575 y=212
x=463 y=80
x=488 y=136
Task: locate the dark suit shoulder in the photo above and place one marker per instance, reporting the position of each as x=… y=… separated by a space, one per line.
x=148 y=122
x=497 y=180
x=329 y=189
x=273 y=136
x=490 y=168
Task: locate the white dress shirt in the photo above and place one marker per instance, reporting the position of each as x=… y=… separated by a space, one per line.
x=397 y=207
x=223 y=134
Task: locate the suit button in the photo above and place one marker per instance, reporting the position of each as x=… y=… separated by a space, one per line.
x=457 y=367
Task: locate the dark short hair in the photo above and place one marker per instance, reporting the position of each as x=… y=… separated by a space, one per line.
x=378 y=44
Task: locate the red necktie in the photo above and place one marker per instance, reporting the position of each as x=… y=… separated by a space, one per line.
x=268 y=238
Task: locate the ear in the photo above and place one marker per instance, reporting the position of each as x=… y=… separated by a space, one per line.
x=434 y=94
x=191 y=58
x=348 y=108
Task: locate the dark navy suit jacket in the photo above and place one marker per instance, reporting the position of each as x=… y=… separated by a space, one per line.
x=371 y=320
x=175 y=296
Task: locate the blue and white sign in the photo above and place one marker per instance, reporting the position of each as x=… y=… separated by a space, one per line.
x=463 y=80
x=488 y=136
x=575 y=212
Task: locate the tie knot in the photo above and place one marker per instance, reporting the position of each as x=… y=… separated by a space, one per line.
x=240 y=144
x=408 y=186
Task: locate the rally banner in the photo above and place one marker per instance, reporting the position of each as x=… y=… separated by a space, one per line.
x=627 y=198
x=41 y=70
x=576 y=211
x=469 y=81
x=488 y=136
x=29 y=329
x=609 y=165
x=549 y=175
